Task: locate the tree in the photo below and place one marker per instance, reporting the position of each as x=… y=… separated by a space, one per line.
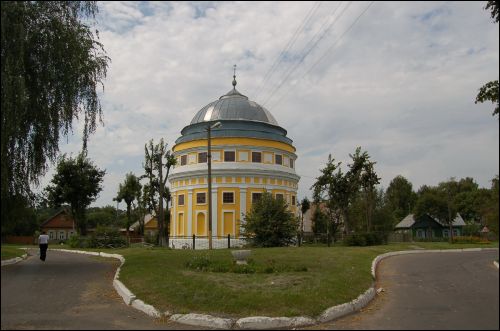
x=153 y=167
x=400 y=197
x=51 y=65
x=368 y=181
x=332 y=189
x=305 y=205
x=76 y=182
x=269 y=223
x=489 y=91
x=129 y=191
x=319 y=221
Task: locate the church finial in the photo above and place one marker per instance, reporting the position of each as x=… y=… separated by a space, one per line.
x=234 y=76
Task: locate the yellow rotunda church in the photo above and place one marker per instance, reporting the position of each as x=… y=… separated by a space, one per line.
x=250 y=154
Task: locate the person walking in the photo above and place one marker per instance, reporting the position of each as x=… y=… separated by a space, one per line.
x=43 y=243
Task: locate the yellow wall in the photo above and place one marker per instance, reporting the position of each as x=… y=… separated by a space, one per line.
x=228 y=207
x=234 y=141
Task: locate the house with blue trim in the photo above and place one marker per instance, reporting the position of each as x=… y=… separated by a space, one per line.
x=428 y=227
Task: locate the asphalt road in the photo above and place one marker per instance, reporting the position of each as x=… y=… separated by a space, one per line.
x=69 y=291
x=433 y=291
x=421 y=292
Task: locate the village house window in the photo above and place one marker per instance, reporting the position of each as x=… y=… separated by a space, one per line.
x=202 y=157
x=184 y=159
x=256 y=197
x=180 y=201
x=61 y=235
x=257 y=157
x=278 y=159
x=51 y=235
x=229 y=156
x=228 y=197
x=201 y=198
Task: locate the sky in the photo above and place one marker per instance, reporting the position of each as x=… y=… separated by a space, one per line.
x=398 y=79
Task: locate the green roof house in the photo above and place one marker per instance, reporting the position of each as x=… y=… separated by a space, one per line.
x=428 y=227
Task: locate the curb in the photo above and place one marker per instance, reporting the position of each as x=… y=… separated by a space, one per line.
x=495 y=263
x=261 y=322
x=14 y=260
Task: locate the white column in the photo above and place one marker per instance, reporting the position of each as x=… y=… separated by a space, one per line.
x=174 y=214
x=190 y=213
x=214 y=211
x=243 y=206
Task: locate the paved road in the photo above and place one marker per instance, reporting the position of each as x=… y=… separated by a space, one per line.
x=434 y=291
x=68 y=291
x=424 y=291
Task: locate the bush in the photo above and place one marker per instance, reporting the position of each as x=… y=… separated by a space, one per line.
x=467 y=240
x=269 y=223
x=366 y=239
x=107 y=237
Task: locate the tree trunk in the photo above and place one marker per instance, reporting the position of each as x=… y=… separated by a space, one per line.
x=128 y=222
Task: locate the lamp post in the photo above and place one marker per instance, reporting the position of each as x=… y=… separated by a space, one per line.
x=209 y=161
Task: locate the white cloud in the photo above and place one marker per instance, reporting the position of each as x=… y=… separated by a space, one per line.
x=401 y=83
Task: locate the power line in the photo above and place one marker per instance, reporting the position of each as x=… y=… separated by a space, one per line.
x=290 y=43
x=327 y=51
x=292 y=70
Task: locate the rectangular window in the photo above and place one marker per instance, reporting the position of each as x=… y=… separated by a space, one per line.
x=51 y=235
x=257 y=157
x=229 y=156
x=201 y=198
x=256 y=197
x=180 y=201
x=202 y=157
x=279 y=196
x=278 y=159
x=227 y=197
x=293 y=200
x=291 y=163
x=184 y=159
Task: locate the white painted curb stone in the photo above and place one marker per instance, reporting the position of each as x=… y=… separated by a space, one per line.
x=203 y=320
x=148 y=309
x=123 y=291
x=495 y=263
x=265 y=323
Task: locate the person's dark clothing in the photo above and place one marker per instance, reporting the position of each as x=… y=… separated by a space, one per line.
x=43 y=251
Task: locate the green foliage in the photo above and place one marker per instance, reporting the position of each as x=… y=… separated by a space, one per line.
x=366 y=239
x=77 y=182
x=269 y=223
x=400 y=197
x=319 y=221
x=129 y=191
x=107 y=237
x=493 y=7
x=206 y=264
x=157 y=159
x=52 y=64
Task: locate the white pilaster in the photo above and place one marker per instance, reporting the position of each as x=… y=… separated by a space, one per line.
x=214 y=212
x=190 y=213
x=174 y=214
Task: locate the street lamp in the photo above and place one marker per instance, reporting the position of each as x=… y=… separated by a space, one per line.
x=209 y=161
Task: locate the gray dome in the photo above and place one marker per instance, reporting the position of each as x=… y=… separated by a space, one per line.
x=234 y=106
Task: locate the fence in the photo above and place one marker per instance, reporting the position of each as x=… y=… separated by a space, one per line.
x=201 y=242
x=22 y=240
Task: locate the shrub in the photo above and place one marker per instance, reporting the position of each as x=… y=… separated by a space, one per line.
x=269 y=223
x=366 y=239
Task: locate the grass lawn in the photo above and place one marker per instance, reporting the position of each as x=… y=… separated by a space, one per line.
x=334 y=275
x=12 y=251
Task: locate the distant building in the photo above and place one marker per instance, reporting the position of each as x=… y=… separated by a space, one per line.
x=428 y=227
x=60 y=226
